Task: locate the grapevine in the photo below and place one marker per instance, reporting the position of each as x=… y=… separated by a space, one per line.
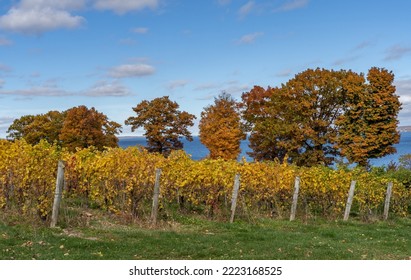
x=121 y=181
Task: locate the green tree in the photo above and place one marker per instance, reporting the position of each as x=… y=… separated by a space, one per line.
x=163 y=123
x=18 y=129
x=85 y=127
x=220 y=128
x=34 y=128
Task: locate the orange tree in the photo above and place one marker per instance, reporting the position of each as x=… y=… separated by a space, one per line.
x=297 y=118
x=220 y=128
x=85 y=127
x=368 y=128
x=255 y=110
x=78 y=127
x=321 y=114
x=164 y=124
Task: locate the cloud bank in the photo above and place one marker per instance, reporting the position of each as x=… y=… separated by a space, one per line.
x=293 y=5
x=396 y=52
x=131 y=70
x=99 y=89
x=249 y=38
x=124 y=6
x=39 y=16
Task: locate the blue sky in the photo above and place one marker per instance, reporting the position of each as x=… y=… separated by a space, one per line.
x=112 y=54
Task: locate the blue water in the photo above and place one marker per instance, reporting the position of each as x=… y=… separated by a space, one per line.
x=403 y=148
x=198 y=151
x=195 y=148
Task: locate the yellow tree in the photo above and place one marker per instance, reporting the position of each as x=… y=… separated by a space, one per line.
x=322 y=114
x=220 y=128
x=368 y=127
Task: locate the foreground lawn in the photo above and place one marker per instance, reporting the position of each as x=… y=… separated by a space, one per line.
x=198 y=238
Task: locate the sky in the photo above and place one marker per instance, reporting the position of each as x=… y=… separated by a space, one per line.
x=112 y=54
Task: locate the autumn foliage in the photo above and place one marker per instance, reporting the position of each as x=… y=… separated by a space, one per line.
x=321 y=115
x=78 y=127
x=163 y=123
x=296 y=129
x=368 y=128
x=34 y=128
x=317 y=118
x=121 y=181
x=220 y=128
x=83 y=127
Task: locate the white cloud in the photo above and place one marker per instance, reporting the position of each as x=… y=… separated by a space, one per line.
x=224 y=2
x=405 y=99
x=60 y=4
x=207 y=86
x=2 y=82
x=38 y=16
x=50 y=89
x=104 y=88
x=397 y=52
x=236 y=89
x=140 y=30
x=5 y=68
x=293 y=5
x=403 y=87
x=285 y=73
x=345 y=60
x=124 y=6
x=128 y=42
x=5 y=42
x=5 y=120
x=249 y=38
x=43 y=90
x=5 y=123
x=363 y=45
x=131 y=70
x=176 y=84
x=246 y=9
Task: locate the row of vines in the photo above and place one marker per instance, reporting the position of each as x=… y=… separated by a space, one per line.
x=121 y=181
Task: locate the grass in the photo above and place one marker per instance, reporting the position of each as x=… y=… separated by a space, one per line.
x=194 y=237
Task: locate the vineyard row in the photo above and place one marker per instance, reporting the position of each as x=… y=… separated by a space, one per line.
x=122 y=181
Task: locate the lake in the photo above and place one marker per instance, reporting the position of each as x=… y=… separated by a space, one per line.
x=195 y=148
x=198 y=151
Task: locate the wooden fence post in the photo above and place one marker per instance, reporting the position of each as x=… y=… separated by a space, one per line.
x=349 y=200
x=58 y=193
x=387 y=200
x=154 y=209
x=295 y=198
x=234 y=196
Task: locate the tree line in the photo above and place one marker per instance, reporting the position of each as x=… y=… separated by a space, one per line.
x=78 y=127
x=318 y=116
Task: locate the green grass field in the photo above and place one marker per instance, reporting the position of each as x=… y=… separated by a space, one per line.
x=193 y=237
